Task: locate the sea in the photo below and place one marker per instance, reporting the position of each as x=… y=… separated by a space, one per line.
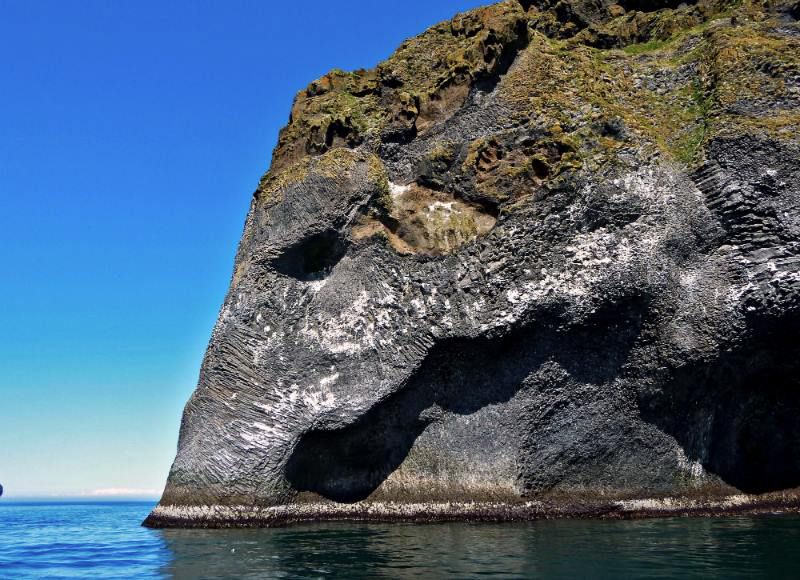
x=106 y=540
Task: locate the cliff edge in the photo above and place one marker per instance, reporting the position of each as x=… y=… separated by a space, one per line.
x=545 y=260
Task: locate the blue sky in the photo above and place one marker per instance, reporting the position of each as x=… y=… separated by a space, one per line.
x=132 y=134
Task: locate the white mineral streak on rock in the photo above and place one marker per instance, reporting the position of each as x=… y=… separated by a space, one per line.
x=319 y=400
x=693 y=468
x=388 y=296
x=329 y=380
x=443 y=207
x=587 y=263
x=397 y=190
x=650 y=185
x=593 y=257
x=419 y=308
x=295 y=401
x=384 y=320
x=351 y=332
x=317 y=285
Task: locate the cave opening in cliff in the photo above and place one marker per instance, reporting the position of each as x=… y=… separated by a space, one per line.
x=739 y=416
x=458 y=376
x=313 y=257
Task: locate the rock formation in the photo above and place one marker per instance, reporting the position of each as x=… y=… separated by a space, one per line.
x=545 y=260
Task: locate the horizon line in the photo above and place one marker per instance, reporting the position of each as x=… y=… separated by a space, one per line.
x=76 y=498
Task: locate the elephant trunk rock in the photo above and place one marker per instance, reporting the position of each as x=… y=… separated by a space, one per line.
x=544 y=261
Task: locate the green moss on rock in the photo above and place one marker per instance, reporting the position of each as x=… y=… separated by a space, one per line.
x=608 y=78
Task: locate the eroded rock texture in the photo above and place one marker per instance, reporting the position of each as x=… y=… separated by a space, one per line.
x=548 y=250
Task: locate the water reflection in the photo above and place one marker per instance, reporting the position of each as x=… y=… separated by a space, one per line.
x=43 y=540
x=702 y=548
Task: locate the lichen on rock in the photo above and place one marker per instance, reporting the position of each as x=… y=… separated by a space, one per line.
x=544 y=260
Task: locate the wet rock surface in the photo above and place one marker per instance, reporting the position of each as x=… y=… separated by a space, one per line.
x=548 y=251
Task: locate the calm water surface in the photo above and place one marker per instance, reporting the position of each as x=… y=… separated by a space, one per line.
x=106 y=541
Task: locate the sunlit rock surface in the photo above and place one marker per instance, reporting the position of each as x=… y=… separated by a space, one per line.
x=544 y=260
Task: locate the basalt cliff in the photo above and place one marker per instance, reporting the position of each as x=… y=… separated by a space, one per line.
x=543 y=261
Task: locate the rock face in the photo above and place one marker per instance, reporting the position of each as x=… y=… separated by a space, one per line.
x=545 y=259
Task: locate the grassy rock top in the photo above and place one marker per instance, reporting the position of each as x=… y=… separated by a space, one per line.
x=595 y=76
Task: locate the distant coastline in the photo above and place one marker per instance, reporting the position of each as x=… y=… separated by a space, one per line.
x=40 y=500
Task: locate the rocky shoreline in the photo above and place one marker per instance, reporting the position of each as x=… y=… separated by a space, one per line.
x=243 y=516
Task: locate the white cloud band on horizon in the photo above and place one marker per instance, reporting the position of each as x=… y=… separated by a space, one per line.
x=122 y=491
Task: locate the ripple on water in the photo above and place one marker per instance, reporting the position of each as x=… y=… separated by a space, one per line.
x=106 y=541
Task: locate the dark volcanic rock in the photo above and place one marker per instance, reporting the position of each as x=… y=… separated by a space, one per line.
x=509 y=267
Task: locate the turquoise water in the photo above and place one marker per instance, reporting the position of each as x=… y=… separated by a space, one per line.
x=106 y=541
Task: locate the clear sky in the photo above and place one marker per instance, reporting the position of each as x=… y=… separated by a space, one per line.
x=132 y=134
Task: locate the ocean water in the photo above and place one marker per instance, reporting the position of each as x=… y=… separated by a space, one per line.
x=105 y=540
